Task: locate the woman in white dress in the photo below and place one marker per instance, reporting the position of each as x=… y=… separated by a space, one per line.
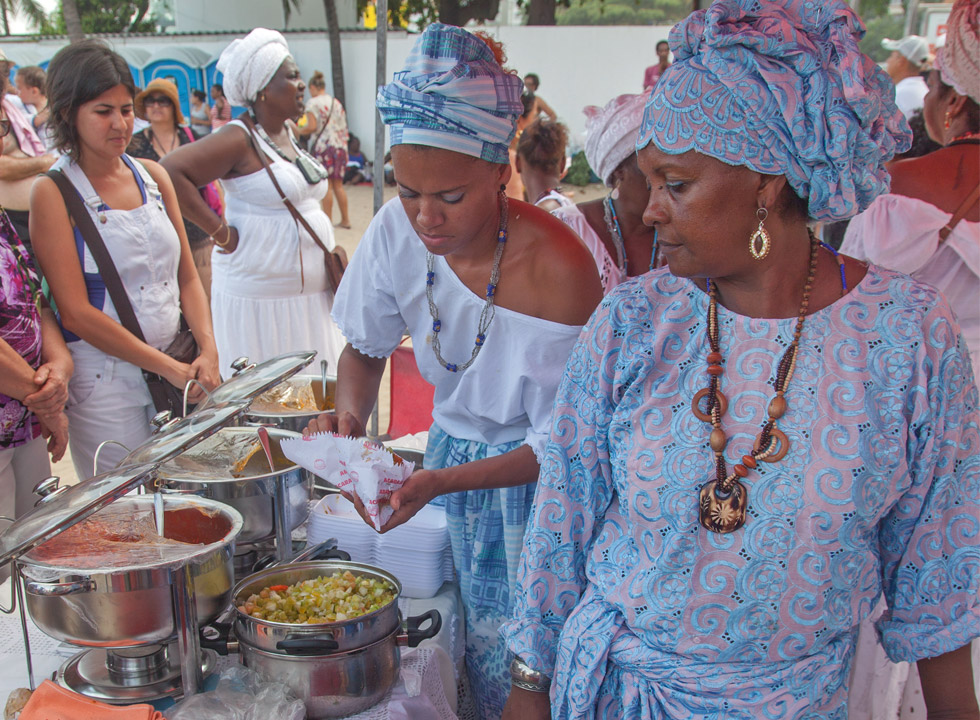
x=269 y=291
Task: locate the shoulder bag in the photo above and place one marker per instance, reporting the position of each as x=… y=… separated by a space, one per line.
x=335 y=261
x=960 y=213
x=183 y=348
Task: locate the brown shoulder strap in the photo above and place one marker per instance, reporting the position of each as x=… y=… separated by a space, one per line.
x=272 y=176
x=100 y=253
x=960 y=213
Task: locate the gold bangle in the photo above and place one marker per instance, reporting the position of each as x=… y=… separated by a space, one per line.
x=227 y=237
x=217 y=229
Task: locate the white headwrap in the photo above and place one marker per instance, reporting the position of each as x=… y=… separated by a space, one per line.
x=611 y=131
x=249 y=63
x=958 y=61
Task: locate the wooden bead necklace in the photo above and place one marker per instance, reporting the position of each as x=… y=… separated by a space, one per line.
x=723 y=501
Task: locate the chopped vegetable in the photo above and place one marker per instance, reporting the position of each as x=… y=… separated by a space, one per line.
x=325 y=599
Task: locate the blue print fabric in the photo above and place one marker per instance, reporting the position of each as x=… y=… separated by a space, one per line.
x=486 y=528
x=639 y=612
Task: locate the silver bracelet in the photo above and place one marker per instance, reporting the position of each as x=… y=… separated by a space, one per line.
x=526 y=678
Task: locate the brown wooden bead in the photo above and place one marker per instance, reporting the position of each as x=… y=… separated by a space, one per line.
x=714 y=358
x=748 y=461
x=717 y=440
x=715 y=370
x=740 y=470
x=777 y=407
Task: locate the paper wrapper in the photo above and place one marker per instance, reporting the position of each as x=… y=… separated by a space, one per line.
x=356 y=466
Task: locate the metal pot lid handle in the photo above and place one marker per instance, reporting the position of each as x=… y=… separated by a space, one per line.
x=413 y=632
x=251 y=381
x=307 y=645
x=326 y=550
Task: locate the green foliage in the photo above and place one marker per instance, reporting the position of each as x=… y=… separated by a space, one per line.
x=879 y=28
x=104 y=16
x=29 y=9
x=622 y=12
x=579 y=172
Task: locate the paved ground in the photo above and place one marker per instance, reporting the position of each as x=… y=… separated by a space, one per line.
x=361 y=206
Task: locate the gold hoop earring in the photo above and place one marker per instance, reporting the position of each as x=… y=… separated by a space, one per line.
x=946 y=120
x=760 y=242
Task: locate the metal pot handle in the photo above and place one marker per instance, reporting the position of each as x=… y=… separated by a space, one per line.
x=307 y=645
x=326 y=550
x=414 y=634
x=218 y=636
x=60 y=589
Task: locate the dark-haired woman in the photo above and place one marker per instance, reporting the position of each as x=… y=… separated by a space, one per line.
x=541 y=162
x=220 y=111
x=134 y=208
x=269 y=289
x=200 y=113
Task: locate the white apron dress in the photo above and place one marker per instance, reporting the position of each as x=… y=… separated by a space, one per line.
x=107 y=397
x=270 y=296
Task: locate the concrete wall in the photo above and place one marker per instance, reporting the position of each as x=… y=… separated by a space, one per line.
x=237 y=15
x=578 y=66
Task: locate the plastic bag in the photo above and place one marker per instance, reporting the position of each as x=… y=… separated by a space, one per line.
x=241 y=695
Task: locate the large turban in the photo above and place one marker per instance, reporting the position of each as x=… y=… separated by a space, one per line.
x=453 y=94
x=958 y=61
x=781 y=87
x=249 y=63
x=611 y=132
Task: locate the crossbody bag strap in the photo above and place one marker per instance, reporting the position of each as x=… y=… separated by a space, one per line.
x=100 y=253
x=960 y=213
x=272 y=176
x=312 y=144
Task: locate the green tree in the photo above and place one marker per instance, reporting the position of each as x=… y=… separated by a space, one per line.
x=100 y=16
x=333 y=37
x=30 y=9
x=623 y=12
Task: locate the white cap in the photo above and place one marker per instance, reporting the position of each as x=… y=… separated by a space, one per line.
x=914 y=47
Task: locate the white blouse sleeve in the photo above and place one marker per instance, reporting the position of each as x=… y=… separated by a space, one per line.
x=365 y=309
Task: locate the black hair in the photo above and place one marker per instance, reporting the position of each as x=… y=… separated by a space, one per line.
x=33 y=76
x=199 y=94
x=533 y=78
x=971 y=107
x=662 y=42
x=78 y=74
x=527 y=101
x=220 y=88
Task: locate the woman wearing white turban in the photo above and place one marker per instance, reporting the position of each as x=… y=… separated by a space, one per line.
x=612 y=228
x=269 y=287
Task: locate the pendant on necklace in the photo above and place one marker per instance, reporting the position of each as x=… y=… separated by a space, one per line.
x=103 y=219
x=723 y=514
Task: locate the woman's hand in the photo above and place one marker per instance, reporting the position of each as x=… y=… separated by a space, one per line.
x=54 y=428
x=229 y=238
x=342 y=424
x=420 y=489
x=527 y=705
x=52 y=393
x=204 y=369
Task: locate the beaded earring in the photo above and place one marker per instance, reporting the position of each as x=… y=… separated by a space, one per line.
x=760 y=242
x=946 y=119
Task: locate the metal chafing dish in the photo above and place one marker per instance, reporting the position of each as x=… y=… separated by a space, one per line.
x=138 y=612
x=293 y=403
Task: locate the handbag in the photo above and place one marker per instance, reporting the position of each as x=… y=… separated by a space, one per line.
x=183 y=348
x=334 y=261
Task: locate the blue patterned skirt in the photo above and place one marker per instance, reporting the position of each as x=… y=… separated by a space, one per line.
x=487 y=532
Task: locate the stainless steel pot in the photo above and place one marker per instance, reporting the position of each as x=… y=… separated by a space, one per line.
x=133 y=605
x=339 y=684
x=329 y=637
x=253 y=493
x=286 y=418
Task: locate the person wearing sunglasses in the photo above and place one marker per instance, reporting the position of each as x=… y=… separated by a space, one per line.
x=159 y=104
x=270 y=292
x=35 y=366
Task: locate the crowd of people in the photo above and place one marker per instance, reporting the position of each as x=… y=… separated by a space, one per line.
x=684 y=446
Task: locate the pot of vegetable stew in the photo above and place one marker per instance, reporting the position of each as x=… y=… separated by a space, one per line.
x=330 y=630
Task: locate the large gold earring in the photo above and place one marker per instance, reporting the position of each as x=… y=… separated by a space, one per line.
x=760 y=242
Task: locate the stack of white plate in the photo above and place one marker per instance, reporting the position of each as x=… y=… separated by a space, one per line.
x=417 y=553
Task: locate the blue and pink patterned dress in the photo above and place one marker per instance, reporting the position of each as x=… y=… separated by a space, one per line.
x=638 y=612
x=20 y=327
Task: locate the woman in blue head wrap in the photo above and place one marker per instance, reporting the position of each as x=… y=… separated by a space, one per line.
x=493 y=292
x=749 y=449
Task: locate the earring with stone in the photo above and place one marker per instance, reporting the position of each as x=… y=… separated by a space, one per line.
x=760 y=242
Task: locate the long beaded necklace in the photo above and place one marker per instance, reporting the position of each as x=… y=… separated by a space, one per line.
x=616 y=232
x=723 y=501
x=486 y=315
x=313 y=166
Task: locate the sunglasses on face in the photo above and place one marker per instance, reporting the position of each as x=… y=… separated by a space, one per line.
x=157 y=100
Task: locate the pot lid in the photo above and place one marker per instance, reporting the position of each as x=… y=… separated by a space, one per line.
x=59 y=511
x=178 y=435
x=251 y=382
